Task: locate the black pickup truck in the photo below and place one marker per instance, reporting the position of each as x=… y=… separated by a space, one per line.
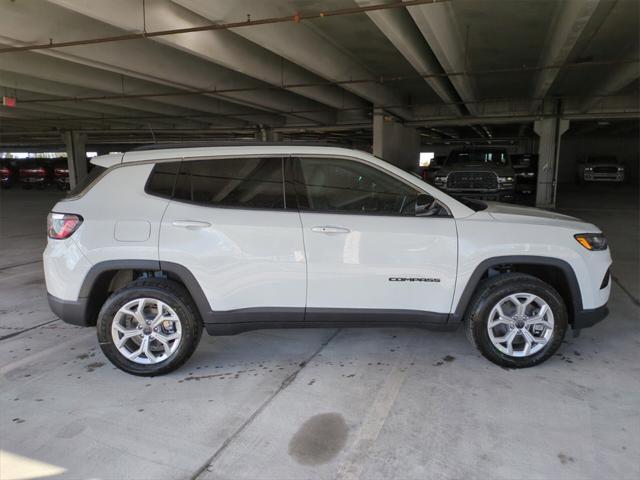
x=484 y=173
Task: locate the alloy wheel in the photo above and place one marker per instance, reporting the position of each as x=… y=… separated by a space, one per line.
x=146 y=331
x=520 y=324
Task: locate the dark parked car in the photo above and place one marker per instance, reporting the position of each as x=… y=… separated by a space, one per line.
x=34 y=173
x=526 y=167
x=428 y=173
x=484 y=173
x=7 y=174
x=605 y=168
x=61 y=174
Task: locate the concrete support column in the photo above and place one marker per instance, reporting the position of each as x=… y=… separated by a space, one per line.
x=76 y=144
x=395 y=143
x=266 y=134
x=550 y=131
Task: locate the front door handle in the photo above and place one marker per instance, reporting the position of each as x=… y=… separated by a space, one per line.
x=329 y=229
x=190 y=224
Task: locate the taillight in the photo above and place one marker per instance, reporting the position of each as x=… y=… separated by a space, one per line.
x=5 y=172
x=62 y=225
x=35 y=172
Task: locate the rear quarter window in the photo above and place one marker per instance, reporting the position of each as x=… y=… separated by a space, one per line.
x=87 y=182
x=162 y=179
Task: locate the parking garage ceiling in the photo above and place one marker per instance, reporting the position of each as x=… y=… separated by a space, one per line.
x=127 y=70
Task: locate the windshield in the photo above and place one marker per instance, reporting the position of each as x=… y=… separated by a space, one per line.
x=478 y=157
x=603 y=159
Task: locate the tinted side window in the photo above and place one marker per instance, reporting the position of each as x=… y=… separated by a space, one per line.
x=233 y=182
x=337 y=185
x=162 y=179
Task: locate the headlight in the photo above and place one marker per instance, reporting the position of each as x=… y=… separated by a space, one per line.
x=592 y=241
x=525 y=174
x=621 y=169
x=505 y=179
x=441 y=178
x=588 y=169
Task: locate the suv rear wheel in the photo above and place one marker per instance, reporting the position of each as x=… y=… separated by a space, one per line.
x=516 y=320
x=150 y=327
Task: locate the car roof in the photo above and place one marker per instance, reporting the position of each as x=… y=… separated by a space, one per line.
x=229 y=143
x=191 y=152
x=476 y=148
x=263 y=148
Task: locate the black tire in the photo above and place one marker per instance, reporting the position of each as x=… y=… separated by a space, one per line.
x=494 y=289
x=169 y=292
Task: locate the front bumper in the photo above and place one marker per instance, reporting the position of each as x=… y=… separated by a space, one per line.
x=499 y=196
x=604 y=177
x=588 y=318
x=73 y=312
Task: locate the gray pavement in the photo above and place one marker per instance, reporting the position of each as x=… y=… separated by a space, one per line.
x=318 y=403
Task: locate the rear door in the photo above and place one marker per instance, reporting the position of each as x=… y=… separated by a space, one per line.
x=230 y=225
x=367 y=251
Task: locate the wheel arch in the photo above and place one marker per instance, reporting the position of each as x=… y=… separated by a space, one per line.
x=106 y=277
x=554 y=271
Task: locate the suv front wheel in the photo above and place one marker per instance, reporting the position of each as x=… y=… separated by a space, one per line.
x=150 y=327
x=516 y=320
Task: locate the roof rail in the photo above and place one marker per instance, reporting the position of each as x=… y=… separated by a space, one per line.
x=239 y=143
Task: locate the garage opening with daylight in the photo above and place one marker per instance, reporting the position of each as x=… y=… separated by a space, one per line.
x=319 y=239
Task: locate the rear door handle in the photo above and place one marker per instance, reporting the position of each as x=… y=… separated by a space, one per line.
x=329 y=229
x=190 y=224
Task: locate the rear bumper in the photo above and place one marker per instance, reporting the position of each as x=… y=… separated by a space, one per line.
x=588 y=318
x=33 y=180
x=73 y=312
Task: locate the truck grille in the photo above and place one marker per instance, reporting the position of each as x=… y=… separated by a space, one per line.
x=472 y=181
x=605 y=169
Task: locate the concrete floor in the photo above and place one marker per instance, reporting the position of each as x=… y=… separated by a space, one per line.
x=321 y=404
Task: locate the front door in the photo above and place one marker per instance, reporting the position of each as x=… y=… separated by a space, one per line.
x=229 y=224
x=367 y=251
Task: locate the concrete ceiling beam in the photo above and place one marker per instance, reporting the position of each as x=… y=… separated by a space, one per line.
x=86 y=79
x=439 y=26
x=52 y=117
x=398 y=26
x=300 y=44
x=222 y=47
x=569 y=22
x=37 y=91
x=74 y=114
x=619 y=78
x=24 y=23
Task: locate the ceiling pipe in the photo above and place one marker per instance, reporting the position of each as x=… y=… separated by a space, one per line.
x=398 y=26
x=22 y=21
x=221 y=47
x=303 y=45
x=295 y=17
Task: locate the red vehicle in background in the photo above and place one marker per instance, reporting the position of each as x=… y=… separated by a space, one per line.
x=7 y=174
x=61 y=174
x=34 y=173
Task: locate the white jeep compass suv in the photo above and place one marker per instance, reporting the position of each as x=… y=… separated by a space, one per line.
x=161 y=243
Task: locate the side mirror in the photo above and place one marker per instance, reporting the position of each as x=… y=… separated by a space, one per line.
x=426 y=205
